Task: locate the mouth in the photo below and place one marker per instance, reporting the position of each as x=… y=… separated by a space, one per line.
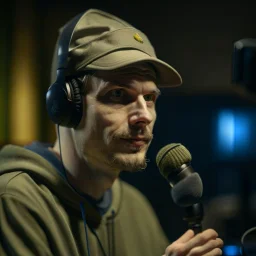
x=137 y=142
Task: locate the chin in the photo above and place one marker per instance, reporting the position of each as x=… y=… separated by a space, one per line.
x=131 y=162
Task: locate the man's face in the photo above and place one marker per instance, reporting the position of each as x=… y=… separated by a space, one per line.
x=119 y=115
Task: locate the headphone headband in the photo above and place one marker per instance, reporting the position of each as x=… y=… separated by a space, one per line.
x=64 y=41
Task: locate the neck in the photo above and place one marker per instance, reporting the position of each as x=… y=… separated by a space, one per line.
x=89 y=180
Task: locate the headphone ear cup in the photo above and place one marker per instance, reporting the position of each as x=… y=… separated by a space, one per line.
x=77 y=101
x=64 y=102
x=57 y=104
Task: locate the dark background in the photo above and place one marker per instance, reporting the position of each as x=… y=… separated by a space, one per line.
x=197 y=39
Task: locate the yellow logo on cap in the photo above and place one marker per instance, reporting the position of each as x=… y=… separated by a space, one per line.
x=138 y=38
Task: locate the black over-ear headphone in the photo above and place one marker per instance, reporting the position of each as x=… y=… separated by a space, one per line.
x=64 y=101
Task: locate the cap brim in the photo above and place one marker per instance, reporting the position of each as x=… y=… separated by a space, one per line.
x=167 y=76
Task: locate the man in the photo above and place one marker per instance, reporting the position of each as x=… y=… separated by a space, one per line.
x=66 y=199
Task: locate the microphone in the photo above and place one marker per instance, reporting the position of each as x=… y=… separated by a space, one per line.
x=174 y=163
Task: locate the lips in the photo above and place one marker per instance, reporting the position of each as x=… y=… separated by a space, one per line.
x=137 y=142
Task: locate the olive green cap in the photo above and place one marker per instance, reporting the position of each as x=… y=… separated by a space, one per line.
x=102 y=41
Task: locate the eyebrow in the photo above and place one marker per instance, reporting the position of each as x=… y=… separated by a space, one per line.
x=157 y=91
x=118 y=84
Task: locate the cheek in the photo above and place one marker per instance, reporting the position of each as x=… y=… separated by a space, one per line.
x=106 y=120
x=153 y=113
x=154 y=119
x=108 y=116
x=109 y=121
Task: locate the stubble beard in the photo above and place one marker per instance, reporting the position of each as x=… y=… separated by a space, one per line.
x=118 y=158
x=133 y=161
x=129 y=162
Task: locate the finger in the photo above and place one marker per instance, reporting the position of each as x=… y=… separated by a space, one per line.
x=177 y=248
x=208 y=247
x=214 y=252
x=186 y=236
x=201 y=239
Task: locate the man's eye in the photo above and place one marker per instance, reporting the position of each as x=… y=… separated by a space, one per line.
x=116 y=94
x=149 y=97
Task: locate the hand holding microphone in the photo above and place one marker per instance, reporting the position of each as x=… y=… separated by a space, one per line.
x=173 y=162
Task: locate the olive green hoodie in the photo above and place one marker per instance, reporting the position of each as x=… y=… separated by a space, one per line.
x=41 y=214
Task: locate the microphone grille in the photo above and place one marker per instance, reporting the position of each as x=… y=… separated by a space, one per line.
x=172 y=157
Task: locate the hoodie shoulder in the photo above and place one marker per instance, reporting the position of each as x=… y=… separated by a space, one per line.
x=18 y=184
x=5 y=180
x=14 y=157
x=20 y=168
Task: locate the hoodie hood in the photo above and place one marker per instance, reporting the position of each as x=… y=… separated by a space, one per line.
x=16 y=158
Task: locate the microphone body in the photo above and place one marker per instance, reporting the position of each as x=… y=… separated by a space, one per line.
x=176 y=175
x=193 y=216
x=173 y=162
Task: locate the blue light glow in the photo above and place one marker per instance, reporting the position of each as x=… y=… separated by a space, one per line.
x=242 y=133
x=233 y=133
x=231 y=250
x=226 y=132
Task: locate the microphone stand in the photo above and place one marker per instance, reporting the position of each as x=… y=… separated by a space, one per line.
x=194 y=216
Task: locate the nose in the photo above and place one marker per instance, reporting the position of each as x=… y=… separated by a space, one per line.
x=140 y=116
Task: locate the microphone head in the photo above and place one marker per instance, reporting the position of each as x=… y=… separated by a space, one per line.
x=189 y=189
x=172 y=157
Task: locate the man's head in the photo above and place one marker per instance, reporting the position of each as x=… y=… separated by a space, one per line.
x=119 y=115
x=118 y=107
